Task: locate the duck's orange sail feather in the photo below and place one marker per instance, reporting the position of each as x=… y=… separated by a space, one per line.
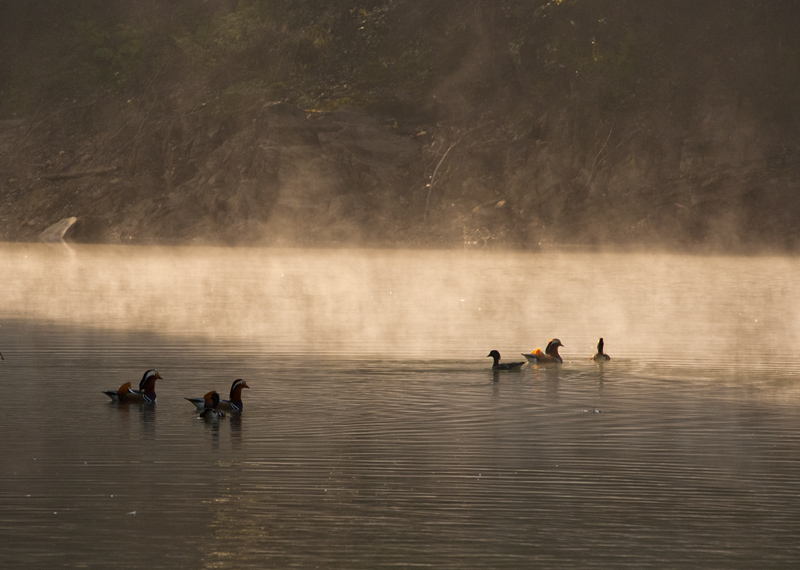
x=538 y=353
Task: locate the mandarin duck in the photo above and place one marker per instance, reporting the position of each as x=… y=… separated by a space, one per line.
x=210 y=411
x=549 y=355
x=233 y=405
x=146 y=394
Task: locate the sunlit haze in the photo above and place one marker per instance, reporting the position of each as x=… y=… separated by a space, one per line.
x=436 y=304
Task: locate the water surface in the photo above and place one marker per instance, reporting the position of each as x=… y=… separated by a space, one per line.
x=375 y=434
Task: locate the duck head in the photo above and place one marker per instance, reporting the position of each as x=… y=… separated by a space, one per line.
x=236 y=389
x=552 y=348
x=600 y=346
x=495 y=356
x=147 y=386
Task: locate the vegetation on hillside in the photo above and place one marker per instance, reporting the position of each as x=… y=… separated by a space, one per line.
x=469 y=55
x=662 y=105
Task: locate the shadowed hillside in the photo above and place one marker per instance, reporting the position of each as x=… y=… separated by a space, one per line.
x=511 y=123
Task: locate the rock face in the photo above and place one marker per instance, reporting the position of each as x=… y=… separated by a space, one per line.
x=56 y=232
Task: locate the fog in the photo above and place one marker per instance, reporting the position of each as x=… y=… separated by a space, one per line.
x=431 y=304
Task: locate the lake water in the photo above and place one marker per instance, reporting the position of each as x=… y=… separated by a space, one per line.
x=375 y=434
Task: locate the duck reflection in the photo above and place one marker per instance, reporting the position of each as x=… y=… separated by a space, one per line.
x=147 y=415
x=601 y=376
x=236 y=429
x=214 y=427
x=549 y=376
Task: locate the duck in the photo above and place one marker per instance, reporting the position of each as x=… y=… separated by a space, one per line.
x=210 y=411
x=600 y=356
x=233 y=405
x=146 y=394
x=550 y=354
x=506 y=365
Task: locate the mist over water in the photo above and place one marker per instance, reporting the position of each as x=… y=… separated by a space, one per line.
x=374 y=433
x=432 y=304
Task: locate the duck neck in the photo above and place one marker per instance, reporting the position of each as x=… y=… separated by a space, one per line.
x=236 y=393
x=149 y=389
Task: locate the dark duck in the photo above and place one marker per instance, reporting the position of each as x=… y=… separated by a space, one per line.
x=235 y=403
x=505 y=365
x=550 y=354
x=600 y=356
x=146 y=394
x=210 y=411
